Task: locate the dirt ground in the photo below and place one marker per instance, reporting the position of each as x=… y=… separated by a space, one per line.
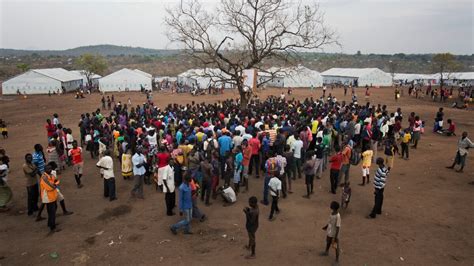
x=427 y=219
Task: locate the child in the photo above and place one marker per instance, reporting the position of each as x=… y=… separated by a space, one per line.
x=336 y=163
x=366 y=162
x=405 y=141
x=332 y=230
x=308 y=169
x=251 y=225
x=346 y=195
x=4 y=129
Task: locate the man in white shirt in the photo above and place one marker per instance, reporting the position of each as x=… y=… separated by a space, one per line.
x=138 y=161
x=169 y=189
x=106 y=164
x=241 y=129
x=152 y=138
x=237 y=139
x=296 y=148
x=275 y=187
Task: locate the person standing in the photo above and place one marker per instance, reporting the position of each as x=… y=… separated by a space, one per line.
x=255 y=145
x=139 y=170
x=308 y=169
x=379 y=184
x=416 y=131
x=31 y=174
x=206 y=169
x=275 y=188
x=297 y=149
x=251 y=224
x=405 y=142
x=77 y=163
x=169 y=189
x=336 y=161
x=464 y=144
x=106 y=163
x=49 y=195
x=247 y=154
x=185 y=207
x=366 y=163
x=332 y=229
x=346 y=156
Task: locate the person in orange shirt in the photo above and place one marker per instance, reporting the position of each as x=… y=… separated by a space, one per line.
x=77 y=163
x=247 y=153
x=49 y=195
x=346 y=156
x=254 y=143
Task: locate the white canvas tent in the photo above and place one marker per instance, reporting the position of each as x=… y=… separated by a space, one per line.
x=265 y=79
x=202 y=78
x=357 y=76
x=94 y=78
x=143 y=73
x=298 y=77
x=42 y=81
x=124 y=80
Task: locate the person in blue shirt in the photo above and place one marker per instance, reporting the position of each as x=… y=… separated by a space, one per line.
x=179 y=135
x=139 y=162
x=225 y=145
x=39 y=159
x=185 y=207
x=238 y=168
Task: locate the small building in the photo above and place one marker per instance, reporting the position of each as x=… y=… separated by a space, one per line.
x=357 y=77
x=94 y=78
x=42 y=81
x=125 y=80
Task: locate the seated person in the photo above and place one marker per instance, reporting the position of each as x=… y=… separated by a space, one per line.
x=451 y=129
x=228 y=194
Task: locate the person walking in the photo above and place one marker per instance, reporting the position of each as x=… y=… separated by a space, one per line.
x=251 y=224
x=275 y=188
x=77 y=162
x=464 y=144
x=185 y=207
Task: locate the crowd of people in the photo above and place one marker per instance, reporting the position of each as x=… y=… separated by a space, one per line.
x=198 y=152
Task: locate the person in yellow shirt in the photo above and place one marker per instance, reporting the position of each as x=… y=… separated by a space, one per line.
x=49 y=196
x=405 y=141
x=366 y=162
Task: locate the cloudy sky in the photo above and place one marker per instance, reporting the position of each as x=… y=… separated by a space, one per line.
x=371 y=26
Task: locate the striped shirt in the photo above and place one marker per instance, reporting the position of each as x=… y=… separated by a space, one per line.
x=380 y=178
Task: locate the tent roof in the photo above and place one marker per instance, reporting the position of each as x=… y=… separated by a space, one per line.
x=298 y=76
x=60 y=74
x=125 y=72
x=349 y=72
x=143 y=73
x=81 y=73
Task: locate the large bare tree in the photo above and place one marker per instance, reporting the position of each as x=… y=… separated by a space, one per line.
x=236 y=35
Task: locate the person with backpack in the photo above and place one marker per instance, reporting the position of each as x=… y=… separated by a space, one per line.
x=272 y=168
x=210 y=145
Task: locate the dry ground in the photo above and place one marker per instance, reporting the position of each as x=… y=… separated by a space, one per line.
x=427 y=220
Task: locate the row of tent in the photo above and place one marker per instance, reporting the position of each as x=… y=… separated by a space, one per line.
x=454 y=78
x=43 y=81
x=51 y=80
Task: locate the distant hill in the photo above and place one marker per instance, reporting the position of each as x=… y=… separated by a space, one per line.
x=105 y=50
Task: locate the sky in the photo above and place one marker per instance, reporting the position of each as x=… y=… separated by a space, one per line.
x=369 y=26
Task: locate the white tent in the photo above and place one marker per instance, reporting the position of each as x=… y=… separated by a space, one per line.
x=202 y=78
x=42 y=81
x=143 y=73
x=94 y=78
x=124 y=80
x=265 y=79
x=359 y=76
x=298 y=77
